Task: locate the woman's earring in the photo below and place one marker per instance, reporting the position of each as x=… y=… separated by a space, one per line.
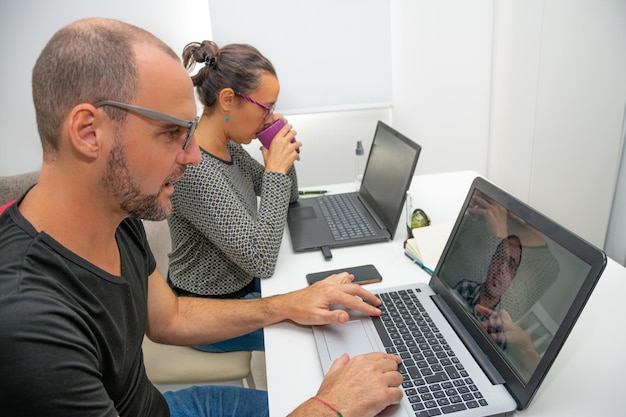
x=227 y=118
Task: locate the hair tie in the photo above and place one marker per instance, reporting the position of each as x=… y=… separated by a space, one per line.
x=210 y=61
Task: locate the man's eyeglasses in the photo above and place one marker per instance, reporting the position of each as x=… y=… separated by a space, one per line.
x=268 y=110
x=190 y=125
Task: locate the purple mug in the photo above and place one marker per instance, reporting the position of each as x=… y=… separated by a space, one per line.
x=267 y=135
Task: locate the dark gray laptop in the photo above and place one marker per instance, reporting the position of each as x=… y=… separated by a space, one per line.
x=479 y=339
x=320 y=223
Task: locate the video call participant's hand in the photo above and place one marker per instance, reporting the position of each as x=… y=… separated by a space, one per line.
x=520 y=344
x=493 y=324
x=495 y=215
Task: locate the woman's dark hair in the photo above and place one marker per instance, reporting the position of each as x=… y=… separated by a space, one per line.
x=238 y=66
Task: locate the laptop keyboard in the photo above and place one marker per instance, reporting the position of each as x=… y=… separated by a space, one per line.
x=344 y=219
x=434 y=380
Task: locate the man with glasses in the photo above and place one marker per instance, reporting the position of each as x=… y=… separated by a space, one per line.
x=190 y=125
x=78 y=283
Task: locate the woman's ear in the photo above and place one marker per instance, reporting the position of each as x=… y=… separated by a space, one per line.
x=226 y=98
x=83 y=130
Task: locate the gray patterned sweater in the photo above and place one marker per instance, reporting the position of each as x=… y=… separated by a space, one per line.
x=222 y=235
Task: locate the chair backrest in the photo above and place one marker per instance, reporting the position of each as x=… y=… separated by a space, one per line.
x=158 y=234
x=13 y=187
x=184 y=365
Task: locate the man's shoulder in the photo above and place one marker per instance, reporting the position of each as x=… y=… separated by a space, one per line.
x=17 y=242
x=467 y=288
x=132 y=226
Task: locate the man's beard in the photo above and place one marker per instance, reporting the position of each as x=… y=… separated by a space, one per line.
x=118 y=182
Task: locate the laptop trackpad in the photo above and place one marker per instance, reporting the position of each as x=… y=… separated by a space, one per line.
x=302 y=213
x=350 y=338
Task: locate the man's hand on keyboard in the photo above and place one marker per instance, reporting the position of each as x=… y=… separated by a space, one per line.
x=363 y=385
x=312 y=305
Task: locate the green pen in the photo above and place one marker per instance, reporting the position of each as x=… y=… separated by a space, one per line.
x=312 y=192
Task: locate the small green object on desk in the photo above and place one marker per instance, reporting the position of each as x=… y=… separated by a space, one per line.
x=419 y=219
x=311 y=193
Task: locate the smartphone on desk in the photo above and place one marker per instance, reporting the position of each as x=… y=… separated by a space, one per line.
x=363 y=274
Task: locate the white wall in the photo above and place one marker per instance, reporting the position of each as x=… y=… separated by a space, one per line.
x=530 y=94
x=330 y=55
x=441 y=53
x=559 y=91
x=328 y=143
x=615 y=245
x=26 y=26
x=441 y=76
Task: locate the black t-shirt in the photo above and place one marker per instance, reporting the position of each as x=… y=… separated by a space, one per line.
x=71 y=333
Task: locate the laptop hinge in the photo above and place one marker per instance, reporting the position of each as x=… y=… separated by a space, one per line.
x=371 y=212
x=482 y=359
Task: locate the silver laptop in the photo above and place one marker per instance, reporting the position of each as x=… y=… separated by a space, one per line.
x=317 y=223
x=479 y=339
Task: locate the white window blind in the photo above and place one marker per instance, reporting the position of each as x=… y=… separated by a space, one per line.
x=330 y=55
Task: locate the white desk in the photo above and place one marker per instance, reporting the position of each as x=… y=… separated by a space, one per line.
x=585 y=380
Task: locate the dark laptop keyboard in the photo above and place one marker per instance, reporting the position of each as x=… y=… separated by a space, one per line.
x=435 y=382
x=344 y=219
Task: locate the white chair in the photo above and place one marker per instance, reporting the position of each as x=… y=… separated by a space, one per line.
x=166 y=364
x=181 y=365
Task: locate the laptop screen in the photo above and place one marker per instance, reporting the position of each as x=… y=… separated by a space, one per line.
x=388 y=174
x=518 y=280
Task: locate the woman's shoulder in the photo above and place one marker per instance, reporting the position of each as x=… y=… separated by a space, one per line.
x=241 y=157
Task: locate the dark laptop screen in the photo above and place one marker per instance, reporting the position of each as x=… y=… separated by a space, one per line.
x=517 y=280
x=388 y=174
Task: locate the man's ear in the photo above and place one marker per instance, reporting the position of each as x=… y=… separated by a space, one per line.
x=226 y=98
x=84 y=129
